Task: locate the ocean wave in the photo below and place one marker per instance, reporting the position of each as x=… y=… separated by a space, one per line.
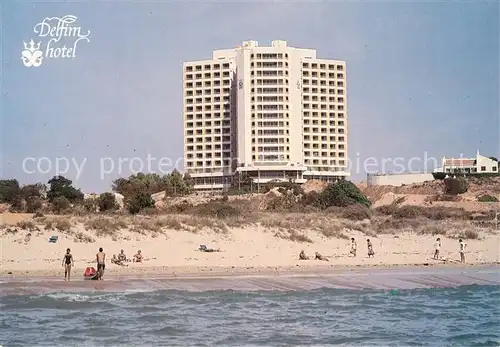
x=465 y=315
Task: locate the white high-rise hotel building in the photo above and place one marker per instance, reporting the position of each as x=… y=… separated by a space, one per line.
x=277 y=113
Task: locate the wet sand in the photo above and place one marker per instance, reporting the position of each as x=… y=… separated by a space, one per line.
x=396 y=278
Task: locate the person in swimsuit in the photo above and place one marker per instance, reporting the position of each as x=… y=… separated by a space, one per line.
x=67 y=263
x=303 y=256
x=138 y=257
x=371 y=253
x=437 y=247
x=122 y=257
x=318 y=256
x=353 y=247
x=462 y=250
x=101 y=263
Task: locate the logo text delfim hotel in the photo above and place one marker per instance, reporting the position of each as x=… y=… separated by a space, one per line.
x=60 y=38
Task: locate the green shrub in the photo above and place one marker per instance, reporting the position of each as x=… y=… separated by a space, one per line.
x=285 y=202
x=487 y=198
x=216 y=209
x=342 y=193
x=62 y=187
x=60 y=204
x=455 y=186
x=90 y=205
x=139 y=202
x=107 y=202
x=9 y=189
x=310 y=199
x=33 y=204
x=17 y=204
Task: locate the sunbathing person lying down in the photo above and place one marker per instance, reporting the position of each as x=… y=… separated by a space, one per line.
x=204 y=248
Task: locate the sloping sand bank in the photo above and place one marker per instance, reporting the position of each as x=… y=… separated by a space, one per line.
x=388 y=279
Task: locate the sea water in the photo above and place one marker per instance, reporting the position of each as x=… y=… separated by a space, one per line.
x=461 y=316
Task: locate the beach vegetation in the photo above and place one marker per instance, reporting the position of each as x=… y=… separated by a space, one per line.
x=60 y=204
x=178 y=184
x=37 y=190
x=487 y=198
x=27 y=225
x=90 y=205
x=173 y=184
x=342 y=193
x=61 y=187
x=356 y=212
x=62 y=224
x=34 y=204
x=293 y=235
x=466 y=234
x=439 y=175
x=107 y=202
x=17 y=204
x=139 y=202
x=455 y=186
x=9 y=190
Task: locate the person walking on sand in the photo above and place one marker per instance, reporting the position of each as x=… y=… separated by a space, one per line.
x=462 y=250
x=353 y=247
x=437 y=248
x=67 y=263
x=371 y=253
x=101 y=263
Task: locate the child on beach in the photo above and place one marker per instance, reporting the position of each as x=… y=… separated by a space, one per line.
x=353 y=247
x=437 y=248
x=462 y=250
x=67 y=263
x=371 y=253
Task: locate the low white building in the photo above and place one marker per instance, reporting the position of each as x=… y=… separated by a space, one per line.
x=479 y=164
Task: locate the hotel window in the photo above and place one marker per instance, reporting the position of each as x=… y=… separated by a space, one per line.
x=483 y=168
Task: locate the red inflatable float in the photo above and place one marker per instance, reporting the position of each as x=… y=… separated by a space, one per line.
x=90 y=273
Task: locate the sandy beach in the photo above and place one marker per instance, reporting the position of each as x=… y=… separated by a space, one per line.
x=243 y=251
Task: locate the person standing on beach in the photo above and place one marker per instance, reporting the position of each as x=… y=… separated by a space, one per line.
x=353 y=247
x=462 y=250
x=101 y=263
x=371 y=253
x=67 y=263
x=437 y=247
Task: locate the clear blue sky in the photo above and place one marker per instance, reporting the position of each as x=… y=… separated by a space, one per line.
x=421 y=76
